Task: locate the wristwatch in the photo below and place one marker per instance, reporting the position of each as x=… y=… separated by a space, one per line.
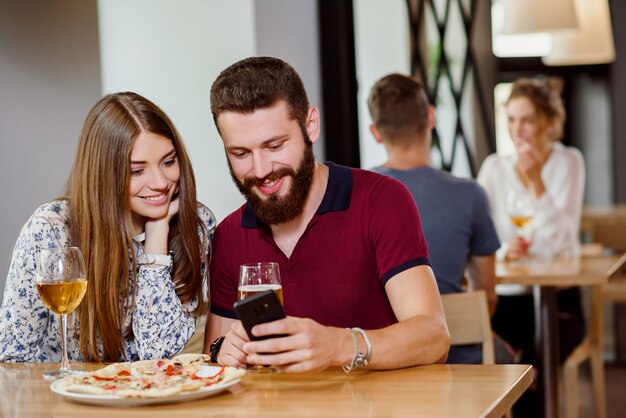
x=361 y=360
x=214 y=348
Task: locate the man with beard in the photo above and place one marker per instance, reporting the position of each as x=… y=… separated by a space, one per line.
x=357 y=284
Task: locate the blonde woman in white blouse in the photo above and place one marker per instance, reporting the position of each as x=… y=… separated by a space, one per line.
x=553 y=177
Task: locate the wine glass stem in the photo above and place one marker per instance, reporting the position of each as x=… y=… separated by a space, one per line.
x=65 y=364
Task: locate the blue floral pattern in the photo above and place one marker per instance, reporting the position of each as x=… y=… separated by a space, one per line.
x=161 y=325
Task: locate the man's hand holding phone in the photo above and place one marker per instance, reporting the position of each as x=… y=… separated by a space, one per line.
x=291 y=344
x=265 y=336
x=259 y=309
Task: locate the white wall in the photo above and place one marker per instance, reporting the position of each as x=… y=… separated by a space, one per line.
x=49 y=79
x=381 y=35
x=176 y=66
x=51 y=61
x=296 y=41
x=58 y=57
x=171 y=52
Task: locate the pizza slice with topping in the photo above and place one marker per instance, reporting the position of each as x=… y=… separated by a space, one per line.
x=152 y=378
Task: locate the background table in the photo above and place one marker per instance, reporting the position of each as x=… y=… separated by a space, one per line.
x=546 y=276
x=427 y=391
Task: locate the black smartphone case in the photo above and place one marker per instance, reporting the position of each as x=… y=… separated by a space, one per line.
x=258 y=309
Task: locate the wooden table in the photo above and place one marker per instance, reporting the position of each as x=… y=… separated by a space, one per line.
x=428 y=391
x=546 y=276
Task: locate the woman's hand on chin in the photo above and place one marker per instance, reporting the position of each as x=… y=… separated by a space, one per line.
x=529 y=165
x=157 y=230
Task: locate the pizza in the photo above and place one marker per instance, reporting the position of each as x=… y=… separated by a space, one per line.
x=151 y=378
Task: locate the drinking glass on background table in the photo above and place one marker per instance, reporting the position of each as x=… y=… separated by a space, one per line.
x=520 y=210
x=255 y=278
x=61 y=282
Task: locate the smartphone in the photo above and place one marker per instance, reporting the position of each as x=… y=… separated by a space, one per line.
x=258 y=309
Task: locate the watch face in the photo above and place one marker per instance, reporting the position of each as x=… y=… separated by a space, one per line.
x=360 y=360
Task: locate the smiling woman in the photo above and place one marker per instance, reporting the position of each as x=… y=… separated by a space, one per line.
x=155 y=173
x=131 y=207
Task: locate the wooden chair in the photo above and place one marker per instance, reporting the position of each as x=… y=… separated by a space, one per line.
x=467 y=315
x=469 y=322
x=611 y=235
x=196 y=342
x=592 y=348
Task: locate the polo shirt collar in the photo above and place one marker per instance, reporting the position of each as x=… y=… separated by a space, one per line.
x=336 y=198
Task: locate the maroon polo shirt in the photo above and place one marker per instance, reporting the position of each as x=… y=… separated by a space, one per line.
x=366 y=230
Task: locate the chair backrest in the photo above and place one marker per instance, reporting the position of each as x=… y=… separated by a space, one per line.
x=467 y=315
x=611 y=235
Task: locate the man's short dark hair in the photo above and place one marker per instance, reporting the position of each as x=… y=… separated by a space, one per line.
x=398 y=106
x=256 y=83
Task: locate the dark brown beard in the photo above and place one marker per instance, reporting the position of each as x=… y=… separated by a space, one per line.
x=276 y=210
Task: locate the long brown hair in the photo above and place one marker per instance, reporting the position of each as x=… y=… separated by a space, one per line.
x=101 y=225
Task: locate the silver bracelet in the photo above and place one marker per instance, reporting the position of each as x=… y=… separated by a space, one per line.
x=350 y=366
x=364 y=360
x=359 y=359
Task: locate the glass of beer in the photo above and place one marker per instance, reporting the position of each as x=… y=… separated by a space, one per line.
x=255 y=278
x=62 y=283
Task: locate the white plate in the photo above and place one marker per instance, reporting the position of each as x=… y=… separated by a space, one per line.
x=113 y=400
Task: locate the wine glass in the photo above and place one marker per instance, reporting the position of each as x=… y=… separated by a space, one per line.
x=255 y=278
x=62 y=284
x=520 y=210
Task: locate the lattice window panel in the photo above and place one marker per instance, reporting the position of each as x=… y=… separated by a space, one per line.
x=442 y=56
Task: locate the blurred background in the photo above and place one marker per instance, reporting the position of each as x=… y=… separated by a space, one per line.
x=58 y=57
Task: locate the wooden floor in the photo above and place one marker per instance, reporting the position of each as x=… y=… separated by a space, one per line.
x=615 y=392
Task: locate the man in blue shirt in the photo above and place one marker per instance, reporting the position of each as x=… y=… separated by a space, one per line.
x=455 y=212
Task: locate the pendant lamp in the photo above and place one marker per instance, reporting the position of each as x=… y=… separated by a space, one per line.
x=591 y=44
x=533 y=16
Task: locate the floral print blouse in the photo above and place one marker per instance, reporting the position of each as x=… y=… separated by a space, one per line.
x=159 y=326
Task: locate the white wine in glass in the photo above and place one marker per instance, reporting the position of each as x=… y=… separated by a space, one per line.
x=253 y=279
x=62 y=284
x=520 y=221
x=520 y=209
